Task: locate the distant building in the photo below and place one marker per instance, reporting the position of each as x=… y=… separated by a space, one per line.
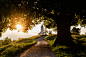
x=42 y=30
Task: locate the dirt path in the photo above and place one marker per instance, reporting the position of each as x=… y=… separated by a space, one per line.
x=40 y=49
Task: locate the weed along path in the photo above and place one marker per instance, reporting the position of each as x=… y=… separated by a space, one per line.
x=40 y=49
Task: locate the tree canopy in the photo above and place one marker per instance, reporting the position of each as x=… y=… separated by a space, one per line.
x=18 y=12
x=54 y=8
x=30 y=12
x=50 y=8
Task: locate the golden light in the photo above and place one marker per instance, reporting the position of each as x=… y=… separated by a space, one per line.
x=18 y=27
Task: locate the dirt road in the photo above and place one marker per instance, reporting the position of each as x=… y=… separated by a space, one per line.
x=40 y=49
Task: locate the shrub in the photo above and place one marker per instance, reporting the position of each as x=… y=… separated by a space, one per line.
x=6 y=41
x=50 y=39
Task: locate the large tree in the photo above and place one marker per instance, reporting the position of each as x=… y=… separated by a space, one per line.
x=64 y=12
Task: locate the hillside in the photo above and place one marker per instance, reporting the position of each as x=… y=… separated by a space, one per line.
x=18 y=46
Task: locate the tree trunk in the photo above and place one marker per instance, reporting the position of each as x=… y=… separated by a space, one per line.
x=64 y=35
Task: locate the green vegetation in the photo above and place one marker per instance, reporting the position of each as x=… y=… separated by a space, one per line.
x=81 y=36
x=50 y=39
x=73 y=33
x=65 y=51
x=4 y=47
x=6 y=41
x=18 y=46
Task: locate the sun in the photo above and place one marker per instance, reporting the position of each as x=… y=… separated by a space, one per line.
x=18 y=27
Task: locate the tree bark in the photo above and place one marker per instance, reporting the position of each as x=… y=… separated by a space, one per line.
x=64 y=35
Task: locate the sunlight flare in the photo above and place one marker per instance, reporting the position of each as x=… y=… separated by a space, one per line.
x=18 y=27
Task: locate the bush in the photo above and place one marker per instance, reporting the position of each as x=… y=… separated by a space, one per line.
x=6 y=41
x=73 y=33
x=50 y=39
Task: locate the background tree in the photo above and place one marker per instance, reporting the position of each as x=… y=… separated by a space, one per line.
x=6 y=41
x=76 y=30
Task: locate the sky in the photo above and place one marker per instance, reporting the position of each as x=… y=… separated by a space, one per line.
x=15 y=34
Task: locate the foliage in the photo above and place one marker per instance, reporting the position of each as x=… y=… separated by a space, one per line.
x=6 y=41
x=70 y=8
x=55 y=29
x=11 y=51
x=76 y=30
x=2 y=48
x=21 y=12
x=65 y=51
x=49 y=22
x=63 y=12
x=74 y=33
x=51 y=38
x=14 y=40
x=18 y=46
x=81 y=36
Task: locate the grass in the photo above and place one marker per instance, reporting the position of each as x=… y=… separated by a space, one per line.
x=16 y=47
x=65 y=51
x=50 y=39
x=4 y=47
x=73 y=33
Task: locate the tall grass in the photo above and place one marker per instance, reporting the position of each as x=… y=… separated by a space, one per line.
x=4 y=47
x=16 y=47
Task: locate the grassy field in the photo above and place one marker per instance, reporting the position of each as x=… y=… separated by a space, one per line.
x=16 y=47
x=64 y=51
